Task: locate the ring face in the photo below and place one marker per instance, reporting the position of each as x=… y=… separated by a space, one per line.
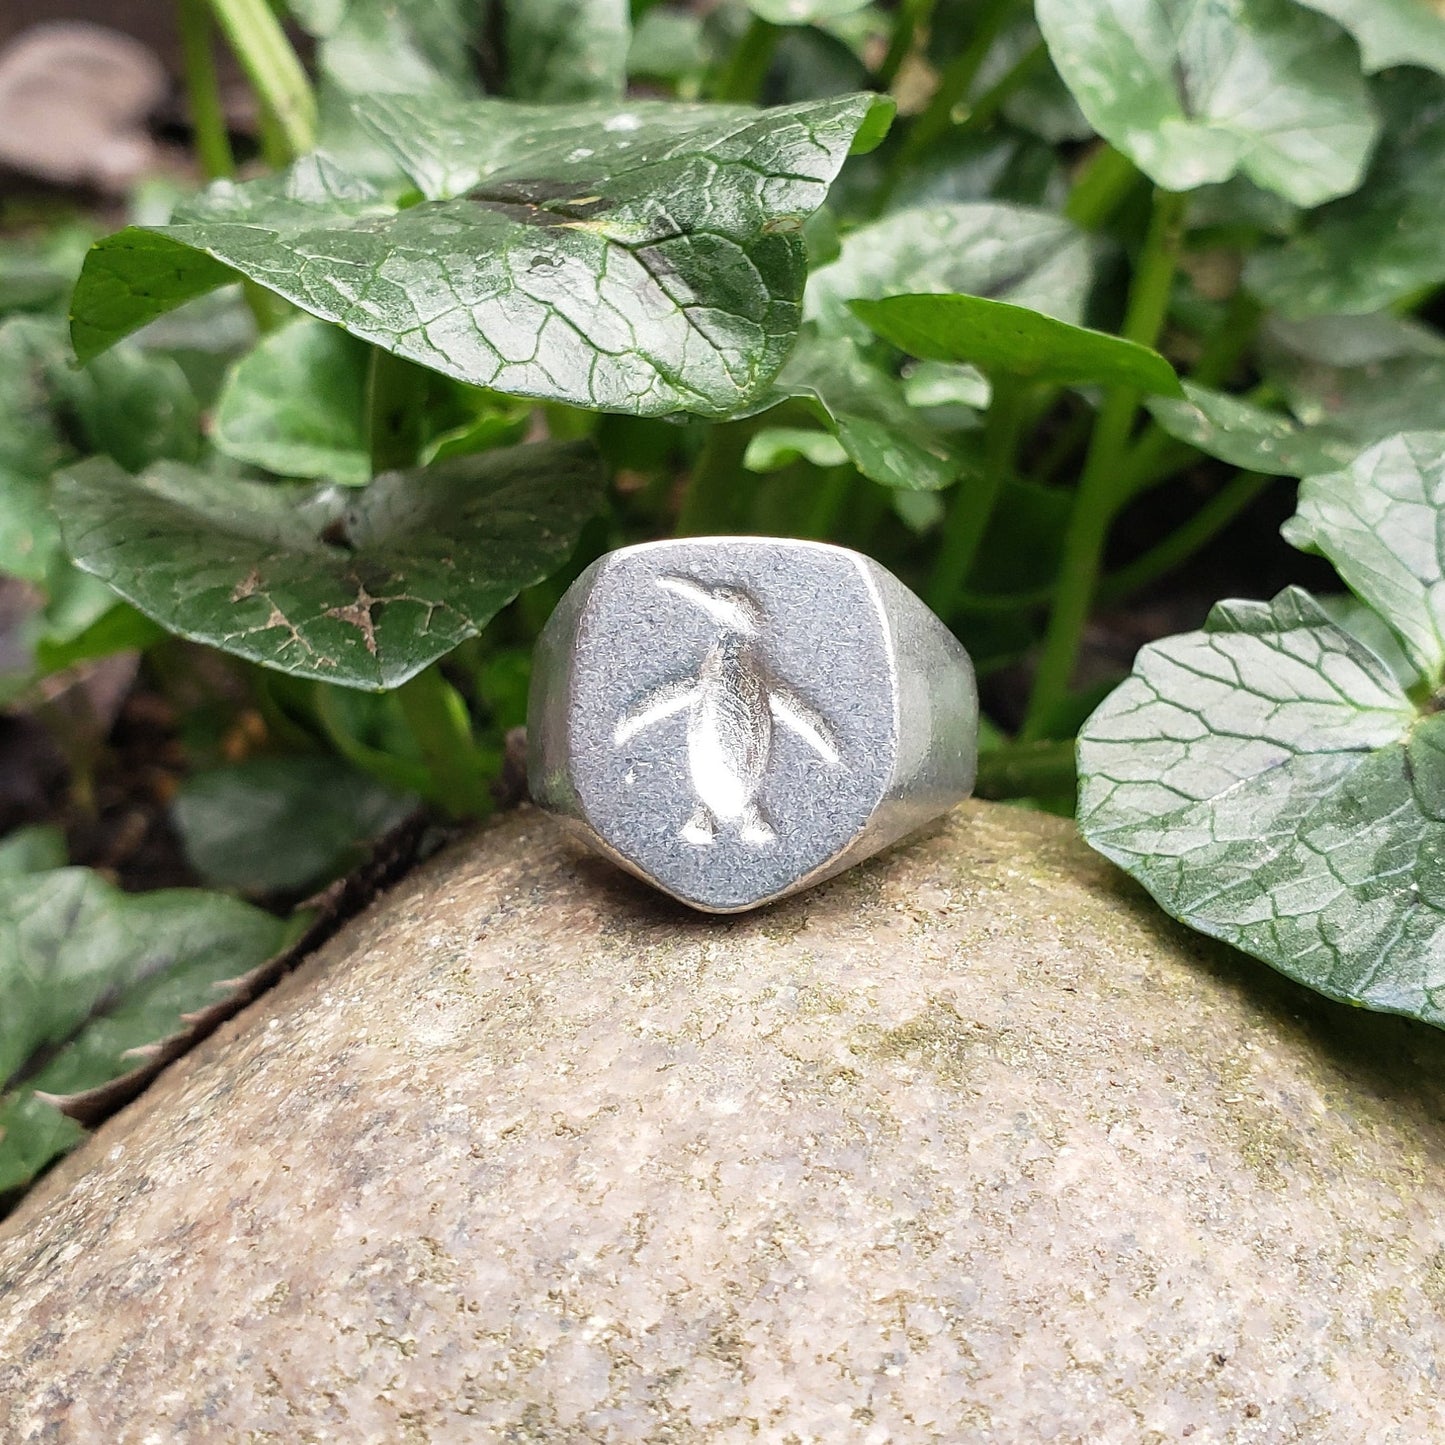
x=733 y=718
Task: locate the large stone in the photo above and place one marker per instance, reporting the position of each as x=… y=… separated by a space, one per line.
x=967 y=1145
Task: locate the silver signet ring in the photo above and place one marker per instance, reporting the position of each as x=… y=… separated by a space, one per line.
x=735 y=718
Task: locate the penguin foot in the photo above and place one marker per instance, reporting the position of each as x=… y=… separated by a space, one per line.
x=700 y=829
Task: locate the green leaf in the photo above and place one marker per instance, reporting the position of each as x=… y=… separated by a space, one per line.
x=864 y=407
x=361 y=589
x=1391 y=32
x=379 y=47
x=296 y=405
x=567 y=50
x=1270 y=783
x=645 y=259
x=1248 y=436
x=774 y=447
x=272 y=825
x=90 y=980
x=941 y=383
x=30 y=446
x=1382 y=243
x=1381 y=521
x=1192 y=92
x=1029 y=257
x=1361 y=378
x=130 y=405
x=999 y=337
x=804 y=12
x=35 y=849
x=117 y=628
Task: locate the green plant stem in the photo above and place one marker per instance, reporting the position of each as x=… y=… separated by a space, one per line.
x=394 y=397
x=741 y=79
x=437 y=718
x=203 y=91
x=1157 y=455
x=271 y=65
x=953 y=85
x=709 y=505
x=1182 y=543
x=402 y=773
x=826 y=504
x=974 y=503
x=1027 y=770
x=911 y=17
x=1103 y=182
x=208 y=123
x=1096 y=501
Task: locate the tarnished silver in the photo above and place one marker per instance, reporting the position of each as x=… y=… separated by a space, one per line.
x=736 y=718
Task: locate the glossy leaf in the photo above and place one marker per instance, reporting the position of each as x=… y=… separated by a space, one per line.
x=1248 y=436
x=1391 y=32
x=296 y=405
x=1382 y=243
x=645 y=259
x=271 y=825
x=999 y=337
x=1381 y=521
x=1269 y=782
x=361 y=589
x=567 y=50
x=1270 y=779
x=1028 y=257
x=1195 y=92
x=90 y=980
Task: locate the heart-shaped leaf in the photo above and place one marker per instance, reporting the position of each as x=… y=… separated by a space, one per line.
x=1382 y=243
x=1194 y=92
x=567 y=50
x=646 y=259
x=1029 y=257
x=1274 y=781
x=1391 y=32
x=1248 y=436
x=91 y=980
x=296 y=405
x=361 y=589
x=999 y=337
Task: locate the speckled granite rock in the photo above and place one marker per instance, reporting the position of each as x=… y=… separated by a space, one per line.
x=967 y=1145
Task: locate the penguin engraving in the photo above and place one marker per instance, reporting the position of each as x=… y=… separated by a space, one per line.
x=732 y=704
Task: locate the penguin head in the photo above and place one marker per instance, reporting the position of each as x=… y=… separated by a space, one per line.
x=729 y=606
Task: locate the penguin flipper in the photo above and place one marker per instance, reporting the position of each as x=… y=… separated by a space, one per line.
x=795 y=715
x=671 y=697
